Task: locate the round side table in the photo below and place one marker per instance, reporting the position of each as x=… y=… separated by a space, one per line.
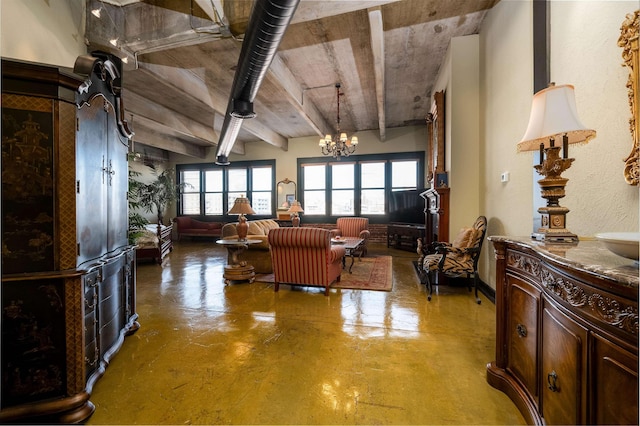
x=237 y=270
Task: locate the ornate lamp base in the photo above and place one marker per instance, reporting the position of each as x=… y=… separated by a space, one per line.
x=295 y=220
x=553 y=220
x=552 y=227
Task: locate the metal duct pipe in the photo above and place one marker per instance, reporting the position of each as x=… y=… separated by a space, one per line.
x=267 y=24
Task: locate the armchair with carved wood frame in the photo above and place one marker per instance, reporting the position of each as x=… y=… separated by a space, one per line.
x=460 y=258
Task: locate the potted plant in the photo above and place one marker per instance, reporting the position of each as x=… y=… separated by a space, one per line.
x=137 y=222
x=156 y=195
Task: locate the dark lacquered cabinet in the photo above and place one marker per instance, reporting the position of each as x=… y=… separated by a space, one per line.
x=436 y=214
x=566 y=332
x=68 y=272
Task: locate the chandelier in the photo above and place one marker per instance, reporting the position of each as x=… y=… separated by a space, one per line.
x=339 y=145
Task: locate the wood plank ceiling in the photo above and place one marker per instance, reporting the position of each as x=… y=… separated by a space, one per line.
x=182 y=55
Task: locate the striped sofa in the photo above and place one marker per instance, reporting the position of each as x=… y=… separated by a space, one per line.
x=305 y=256
x=357 y=227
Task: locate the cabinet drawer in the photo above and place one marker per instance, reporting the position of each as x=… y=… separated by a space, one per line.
x=524 y=305
x=614 y=398
x=563 y=393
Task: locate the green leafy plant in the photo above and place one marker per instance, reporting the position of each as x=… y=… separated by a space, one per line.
x=156 y=195
x=137 y=222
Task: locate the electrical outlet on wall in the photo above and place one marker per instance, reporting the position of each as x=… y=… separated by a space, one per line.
x=504 y=177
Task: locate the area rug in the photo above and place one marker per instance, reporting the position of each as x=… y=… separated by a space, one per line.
x=368 y=273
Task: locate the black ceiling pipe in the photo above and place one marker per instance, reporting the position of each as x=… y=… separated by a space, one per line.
x=267 y=24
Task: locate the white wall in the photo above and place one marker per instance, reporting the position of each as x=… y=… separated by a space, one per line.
x=584 y=53
x=50 y=32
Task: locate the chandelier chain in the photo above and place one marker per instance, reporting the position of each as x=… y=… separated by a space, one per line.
x=339 y=145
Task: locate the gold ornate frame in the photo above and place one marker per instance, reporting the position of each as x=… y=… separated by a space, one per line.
x=435 y=142
x=629 y=42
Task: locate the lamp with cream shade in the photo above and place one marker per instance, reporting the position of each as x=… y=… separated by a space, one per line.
x=242 y=206
x=294 y=210
x=554 y=116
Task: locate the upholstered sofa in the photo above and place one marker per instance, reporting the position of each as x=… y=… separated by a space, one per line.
x=305 y=256
x=196 y=228
x=257 y=255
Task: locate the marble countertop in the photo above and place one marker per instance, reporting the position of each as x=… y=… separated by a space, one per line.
x=587 y=255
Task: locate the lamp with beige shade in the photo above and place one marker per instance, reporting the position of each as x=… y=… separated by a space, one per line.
x=294 y=210
x=554 y=116
x=242 y=206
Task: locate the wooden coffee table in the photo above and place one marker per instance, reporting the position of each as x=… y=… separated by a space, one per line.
x=238 y=270
x=353 y=247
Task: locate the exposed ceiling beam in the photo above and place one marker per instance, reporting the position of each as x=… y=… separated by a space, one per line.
x=310 y=10
x=198 y=93
x=139 y=106
x=377 y=48
x=147 y=133
x=281 y=75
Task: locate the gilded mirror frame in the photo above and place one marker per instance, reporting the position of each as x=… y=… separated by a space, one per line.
x=629 y=42
x=436 y=174
x=286 y=188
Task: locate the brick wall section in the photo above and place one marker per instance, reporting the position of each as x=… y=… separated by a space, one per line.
x=378 y=230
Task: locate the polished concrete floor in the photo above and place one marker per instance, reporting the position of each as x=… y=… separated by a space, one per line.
x=210 y=353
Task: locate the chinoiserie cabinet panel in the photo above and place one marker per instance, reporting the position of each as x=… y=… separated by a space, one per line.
x=563 y=368
x=68 y=272
x=566 y=332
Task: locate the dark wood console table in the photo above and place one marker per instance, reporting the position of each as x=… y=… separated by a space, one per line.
x=404 y=236
x=566 y=332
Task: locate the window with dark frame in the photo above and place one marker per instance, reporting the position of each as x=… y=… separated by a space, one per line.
x=357 y=187
x=213 y=189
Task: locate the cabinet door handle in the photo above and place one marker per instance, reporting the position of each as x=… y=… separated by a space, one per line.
x=551 y=381
x=521 y=330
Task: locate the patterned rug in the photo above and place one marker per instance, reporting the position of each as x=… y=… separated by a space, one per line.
x=368 y=273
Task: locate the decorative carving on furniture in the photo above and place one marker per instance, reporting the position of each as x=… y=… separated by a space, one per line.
x=435 y=142
x=629 y=42
x=564 y=289
x=601 y=307
x=612 y=312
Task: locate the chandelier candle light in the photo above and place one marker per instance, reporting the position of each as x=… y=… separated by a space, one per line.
x=241 y=206
x=339 y=145
x=294 y=210
x=554 y=115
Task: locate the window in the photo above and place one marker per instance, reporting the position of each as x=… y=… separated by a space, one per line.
x=359 y=186
x=212 y=189
x=314 y=191
x=373 y=188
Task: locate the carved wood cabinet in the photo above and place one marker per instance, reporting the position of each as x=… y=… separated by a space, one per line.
x=68 y=272
x=436 y=215
x=566 y=332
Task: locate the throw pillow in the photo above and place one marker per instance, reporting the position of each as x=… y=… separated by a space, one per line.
x=464 y=237
x=255 y=229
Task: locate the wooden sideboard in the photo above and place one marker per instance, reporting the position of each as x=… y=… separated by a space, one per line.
x=404 y=236
x=566 y=332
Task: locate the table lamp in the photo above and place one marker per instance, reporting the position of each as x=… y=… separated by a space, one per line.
x=554 y=115
x=241 y=206
x=294 y=210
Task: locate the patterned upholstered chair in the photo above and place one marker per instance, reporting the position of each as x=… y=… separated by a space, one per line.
x=305 y=256
x=353 y=227
x=460 y=258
